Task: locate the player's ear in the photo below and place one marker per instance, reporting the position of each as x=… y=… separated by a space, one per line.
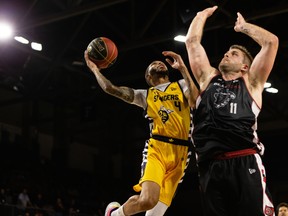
x=245 y=67
x=148 y=78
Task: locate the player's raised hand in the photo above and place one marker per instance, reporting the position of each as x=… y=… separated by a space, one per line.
x=239 y=22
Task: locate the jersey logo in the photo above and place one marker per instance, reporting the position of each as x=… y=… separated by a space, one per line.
x=223 y=97
x=164 y=114
x=251 y=171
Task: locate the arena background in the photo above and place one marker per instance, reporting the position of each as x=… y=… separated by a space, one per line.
x=61 y=132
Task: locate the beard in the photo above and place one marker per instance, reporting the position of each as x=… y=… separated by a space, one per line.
x=228 y=67
x=224 y=67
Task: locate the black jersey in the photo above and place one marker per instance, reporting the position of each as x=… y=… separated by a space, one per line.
x=225 y=119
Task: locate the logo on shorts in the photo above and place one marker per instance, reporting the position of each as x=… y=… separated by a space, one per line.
x=269 y=211
x=251 y=171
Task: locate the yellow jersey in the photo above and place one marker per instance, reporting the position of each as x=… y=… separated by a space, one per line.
x=169 y=112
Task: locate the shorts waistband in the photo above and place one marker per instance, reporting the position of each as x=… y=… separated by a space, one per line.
x=239 y=153
x=172 y=140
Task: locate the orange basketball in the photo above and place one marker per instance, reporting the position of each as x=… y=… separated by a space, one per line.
x=103 y=52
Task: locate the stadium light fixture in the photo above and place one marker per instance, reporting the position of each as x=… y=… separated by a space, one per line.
x=5 y=31
x=21 y=39
x=36 y=46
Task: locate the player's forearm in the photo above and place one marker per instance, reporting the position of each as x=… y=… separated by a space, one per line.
x=192 y=91
x=260 y=35
x=185 y=73
x=195 y=31
x=103 y=82
x=124 y=93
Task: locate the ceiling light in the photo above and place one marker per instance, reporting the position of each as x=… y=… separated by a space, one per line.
x=271 y=90
x=21 y=39
x=267 y=85
x=36 y=46
x=5 y=31
x=180 y=38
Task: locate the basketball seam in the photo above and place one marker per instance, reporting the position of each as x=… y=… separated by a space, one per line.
x=110 y=57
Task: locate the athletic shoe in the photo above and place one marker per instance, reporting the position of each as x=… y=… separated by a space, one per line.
x=111 y=207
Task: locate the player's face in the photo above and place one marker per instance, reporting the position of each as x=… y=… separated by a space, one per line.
x=155 y=71
x=232 y=61
x=157 y=67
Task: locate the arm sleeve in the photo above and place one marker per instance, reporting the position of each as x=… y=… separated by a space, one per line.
x=183 y=85
x=140 y=98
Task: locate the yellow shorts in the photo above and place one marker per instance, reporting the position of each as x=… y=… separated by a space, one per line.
x=165 y=164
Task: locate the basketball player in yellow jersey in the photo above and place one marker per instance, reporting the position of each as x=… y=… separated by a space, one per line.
x=166 y=154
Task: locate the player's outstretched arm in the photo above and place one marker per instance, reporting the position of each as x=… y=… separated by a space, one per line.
x=178 y=63
x=264 y=60
x=198 y=59
x=124 y=93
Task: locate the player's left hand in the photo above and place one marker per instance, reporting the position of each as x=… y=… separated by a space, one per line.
x=177 y=59
x=239 y=22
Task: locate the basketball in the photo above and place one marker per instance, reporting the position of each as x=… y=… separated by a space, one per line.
x=103 y=52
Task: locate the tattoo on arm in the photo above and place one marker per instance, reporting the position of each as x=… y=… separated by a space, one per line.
x=124 y=93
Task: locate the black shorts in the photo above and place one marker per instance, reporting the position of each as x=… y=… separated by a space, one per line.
x=235 y=186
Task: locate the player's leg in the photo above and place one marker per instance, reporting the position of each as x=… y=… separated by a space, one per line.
x=152 y=176
x=147 y=199
x=173 y=178
x=158 y=210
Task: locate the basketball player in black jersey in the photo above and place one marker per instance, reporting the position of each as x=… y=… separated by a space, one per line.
x=166 y=153
x=232 y=176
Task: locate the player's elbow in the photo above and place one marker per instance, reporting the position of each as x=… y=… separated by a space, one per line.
x=192 y=41
x=273 y=41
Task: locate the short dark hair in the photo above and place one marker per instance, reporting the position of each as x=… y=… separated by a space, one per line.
x=244 y=50
x=282 y=204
